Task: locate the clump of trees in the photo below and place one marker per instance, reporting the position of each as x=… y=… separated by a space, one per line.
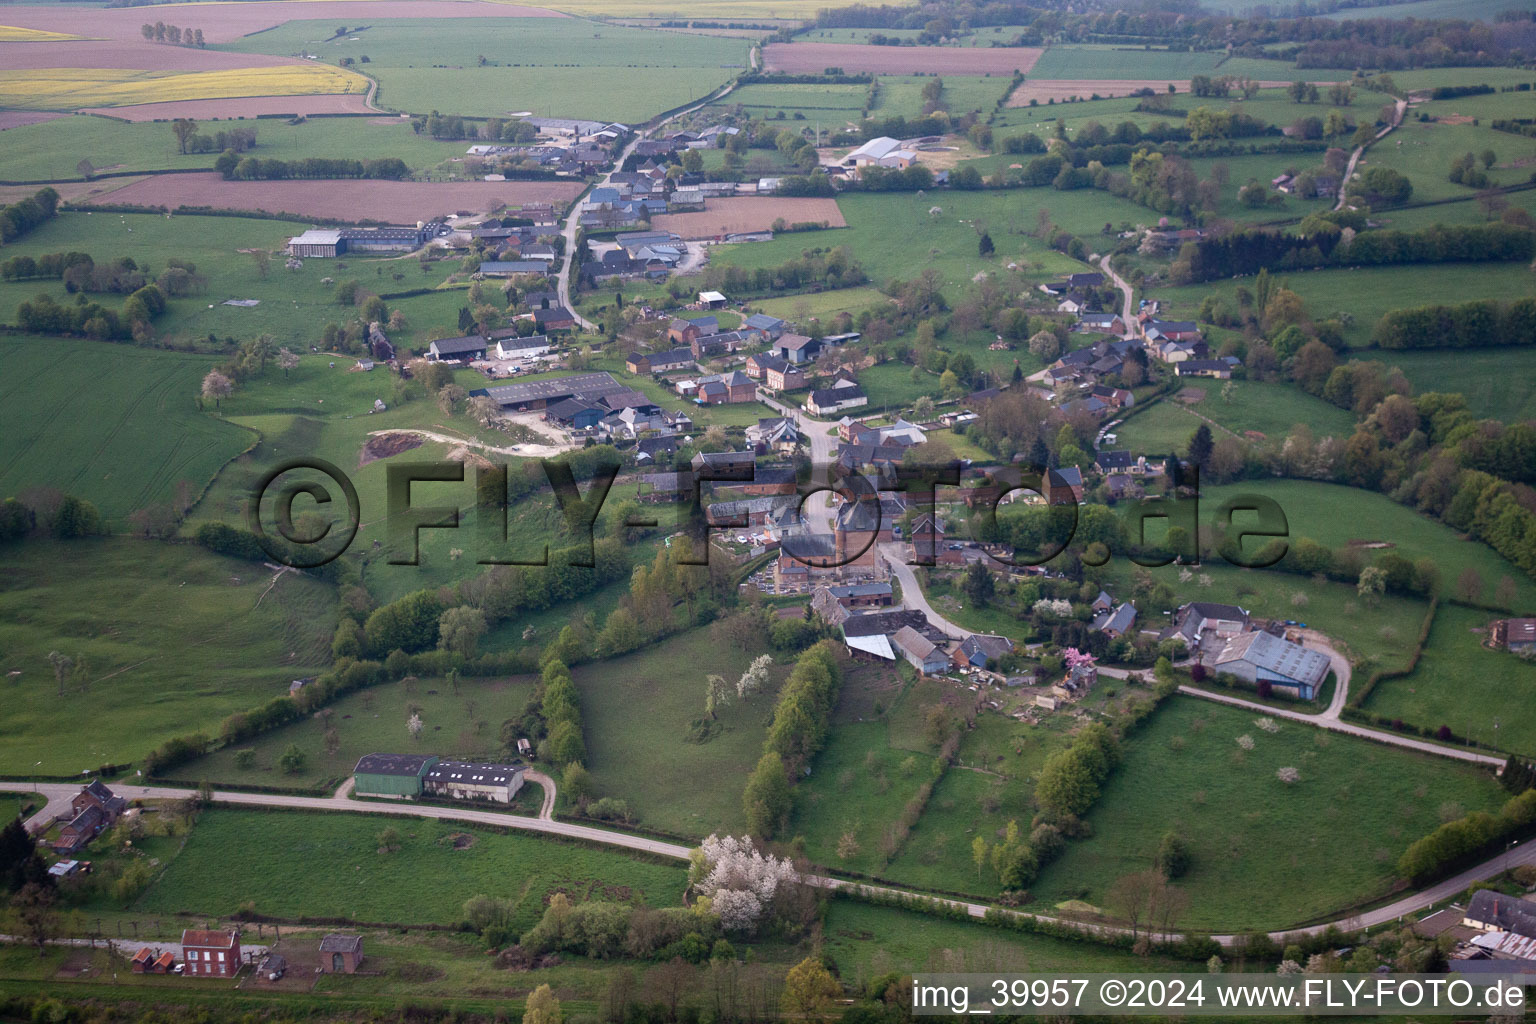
x=17 y=218
x=801 y=718
x=160 y=32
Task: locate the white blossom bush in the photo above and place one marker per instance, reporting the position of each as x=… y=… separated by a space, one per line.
x=1288 y=967
x=1289 y=776
x=1057 y=607
x=739 y=880
x=1185 y=575
x=1267 y=724
x=755 y=677
x=1245 y=741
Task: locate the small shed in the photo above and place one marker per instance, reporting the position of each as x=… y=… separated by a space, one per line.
x=341 y=954
x=711 y=300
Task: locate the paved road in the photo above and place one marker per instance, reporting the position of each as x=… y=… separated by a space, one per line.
x=1524 y=853
x=1128 y=307
x=1354 y=158
x=912 y=596
x=818 y=509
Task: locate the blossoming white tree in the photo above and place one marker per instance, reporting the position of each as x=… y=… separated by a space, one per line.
x=755 y=677
x=740 y=881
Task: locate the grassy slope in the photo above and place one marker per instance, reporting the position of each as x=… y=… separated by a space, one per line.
x=1497 y=383
x=51 y=149
x=295 y=304
x=1271 y=409
x=1367 y=293
x=464 y=725
x=343 y=873
x=174 y=637
x=1462 y=684
x=552 y=66
x=1335 y=515
x=1324 y=844
x=637 y=711
x=125 y=442
x=1113 y=62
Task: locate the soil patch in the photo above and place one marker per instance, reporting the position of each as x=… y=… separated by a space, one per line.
x=383 y=446
x=1190 y=396
x=461 y=840
x=17 y=118
x=750 y=213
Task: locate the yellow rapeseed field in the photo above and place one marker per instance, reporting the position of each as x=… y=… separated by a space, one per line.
x=71 y=88
x=12 y=34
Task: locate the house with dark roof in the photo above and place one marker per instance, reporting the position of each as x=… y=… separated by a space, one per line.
x=554 y=318
x=665 y=487
x=1192 y=621
x=471 y=346
x=1116 y=622
x=1064 y=486
x=1218 y=369
x=1493 y=911
x=660 y=362
x=771 y=480
x=726 y=389
x=797 y=348
x=774 y=433
x=980 y=650
x=93 y=810
x=831 y=401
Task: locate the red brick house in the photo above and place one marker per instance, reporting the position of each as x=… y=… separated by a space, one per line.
x=211 y=954
x=851 y=431
x=341 y=954
x=682 y=332
x=1064 y=486
x=768 y=480
x=93 y=810
x=785 y=378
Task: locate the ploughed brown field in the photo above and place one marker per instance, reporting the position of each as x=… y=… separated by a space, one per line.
x=392 y=202
x=814 y=58
x=69 y=191
x=248 y=106
x=224 y=22
x=17 y=118
x=749 y=213
x=142 y=56
x=1059 y=89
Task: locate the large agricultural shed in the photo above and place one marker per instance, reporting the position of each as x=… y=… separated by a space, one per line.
x=397 y=776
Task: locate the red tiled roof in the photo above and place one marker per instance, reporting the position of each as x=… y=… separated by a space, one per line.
x=199 y=938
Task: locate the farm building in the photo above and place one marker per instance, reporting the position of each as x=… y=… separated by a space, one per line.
x=768 y=326
x=882 y=152
x=980 y=650
x=538 y=394
x=385 y=239
x=555 y=318
x=531 y=347
x=833 y=400
x=512 y=268
x=470 y=346
x=1261 y=657
x=711 y=300
x=920 y=652
x=396 y=776
x=211 y=953
x=659 y=362
x=315 y=244
x=341 y=954
x=1516 y=635
x=1193 y=620
x=1493 y=911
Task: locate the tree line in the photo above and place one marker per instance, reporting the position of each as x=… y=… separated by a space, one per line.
x=1482 y=323
x=20 y=217
x=237 y=168
x=801 y=718
x=160 y=32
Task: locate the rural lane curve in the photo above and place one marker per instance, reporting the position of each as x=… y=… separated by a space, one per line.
x=1524 y=853
x=1354 y=158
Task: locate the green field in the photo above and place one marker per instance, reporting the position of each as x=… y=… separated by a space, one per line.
x=1121 y=62
x=1480 y=693
x=52 y=149
x=1335 y=515
x=1270 y=409
x=821 y=305
x=175 y=639
x=1366 y=294
x=295 y=304
x=125 y=442
x=561 y=67
x=1497 y=383
x=831 y=105
x=637 y=712
x=1424 y=150
x=1327 y=843
x=1464 y=9
x=891 y=385
x=896 y=235
x=463 y=724
x=426 y=881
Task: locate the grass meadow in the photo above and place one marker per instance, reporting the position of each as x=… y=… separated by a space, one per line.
x=1485 y=695
x=1336 y=515
x=295 y=305
x=1366 y=294
x=343 y=874
x=52 y=149
x=1268 y=408
x=174 y=637
x=124 y=443
x=1121 y=62
x=1327 y=843
x=1497 y=383
x=638 y=713
x=463 y=724
x=551 y=66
